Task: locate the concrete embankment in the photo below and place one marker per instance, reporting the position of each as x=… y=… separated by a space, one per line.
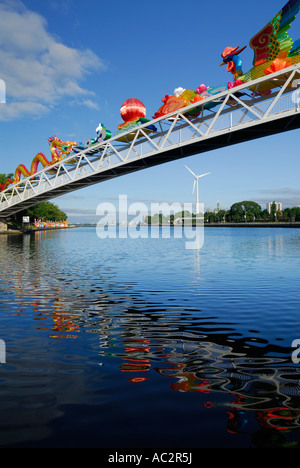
x=9 y=231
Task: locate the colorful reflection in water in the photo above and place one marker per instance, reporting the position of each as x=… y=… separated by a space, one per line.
x=115 y=334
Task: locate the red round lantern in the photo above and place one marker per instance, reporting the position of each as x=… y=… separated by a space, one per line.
x=131 y=109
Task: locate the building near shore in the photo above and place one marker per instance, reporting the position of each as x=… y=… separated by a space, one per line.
x=270 y=204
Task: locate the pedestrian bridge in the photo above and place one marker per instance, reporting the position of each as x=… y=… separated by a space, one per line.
x=237 y=115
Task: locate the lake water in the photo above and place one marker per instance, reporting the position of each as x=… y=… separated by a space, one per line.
x=143 y=343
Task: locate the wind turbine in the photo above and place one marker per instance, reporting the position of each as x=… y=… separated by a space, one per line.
x=197 y=177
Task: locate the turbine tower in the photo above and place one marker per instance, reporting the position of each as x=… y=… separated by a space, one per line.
x=197 y=177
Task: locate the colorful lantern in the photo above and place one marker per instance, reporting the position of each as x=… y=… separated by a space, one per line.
x=131 y=109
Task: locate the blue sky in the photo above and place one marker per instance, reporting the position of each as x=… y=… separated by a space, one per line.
x=69 y=65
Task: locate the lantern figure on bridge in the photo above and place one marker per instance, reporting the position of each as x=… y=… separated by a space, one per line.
x=132 y=109
x=133 y=112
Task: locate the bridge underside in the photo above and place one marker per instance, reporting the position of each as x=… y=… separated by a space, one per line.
x=217 y=142
x=220 y=141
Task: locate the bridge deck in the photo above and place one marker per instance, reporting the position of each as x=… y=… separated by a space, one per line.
x=239 y=116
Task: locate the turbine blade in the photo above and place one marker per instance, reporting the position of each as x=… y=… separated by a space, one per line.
x=194 y=185
x=202 y=175
x=190 y=171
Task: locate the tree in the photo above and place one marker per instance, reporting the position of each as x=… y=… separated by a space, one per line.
x=3 y=180
x=287 y=214
x=248 y=208
x=273 y=211
x=295 y=213
x=265 y=215
x=210 y=217
x=44 y=210
x=4 y=177
x=221 y=215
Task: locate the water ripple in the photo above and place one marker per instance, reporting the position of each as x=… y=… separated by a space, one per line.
x=93 y=327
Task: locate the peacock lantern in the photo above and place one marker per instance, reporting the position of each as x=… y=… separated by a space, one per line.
x=273 y=50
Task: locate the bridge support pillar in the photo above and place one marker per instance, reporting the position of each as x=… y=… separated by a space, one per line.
x=3 y=225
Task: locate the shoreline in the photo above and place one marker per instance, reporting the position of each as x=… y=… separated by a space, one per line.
x=30 y=231
x=235 y=225
x=255 y=225
x=293 y=225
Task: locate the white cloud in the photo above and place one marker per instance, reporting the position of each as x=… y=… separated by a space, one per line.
x=281 y=191
x=38 y=69
x=17 y=109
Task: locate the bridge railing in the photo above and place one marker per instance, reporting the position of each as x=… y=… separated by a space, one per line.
x=233 y=110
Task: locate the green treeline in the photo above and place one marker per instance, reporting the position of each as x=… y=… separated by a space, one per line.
x=249 y=211
x=44 y=211
x=245 y=211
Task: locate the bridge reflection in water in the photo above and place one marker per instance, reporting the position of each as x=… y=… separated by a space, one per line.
x=202 y=361
x=193 y=354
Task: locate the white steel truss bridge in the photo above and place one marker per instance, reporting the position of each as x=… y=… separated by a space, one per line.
x=238 y=115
